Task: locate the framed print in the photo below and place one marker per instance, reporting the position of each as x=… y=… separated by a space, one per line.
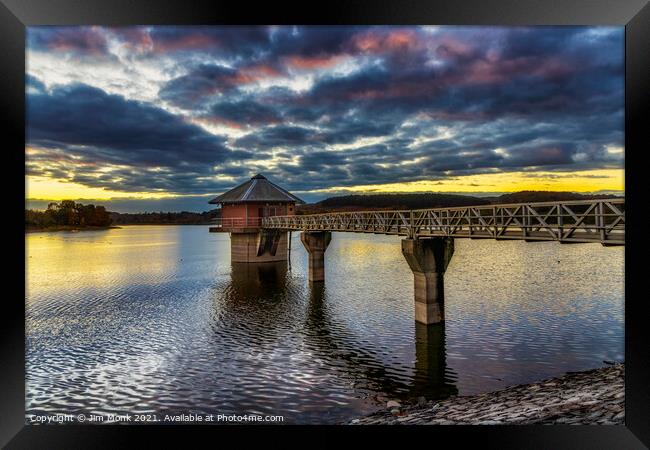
x=366 y=218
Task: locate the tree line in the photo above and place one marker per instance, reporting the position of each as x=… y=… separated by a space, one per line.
x=545 y=196
x=68 y=214
x=167 y=218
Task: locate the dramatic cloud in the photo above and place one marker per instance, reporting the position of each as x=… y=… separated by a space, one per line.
x=81 y=41
x=143 y=146
x=316 y=107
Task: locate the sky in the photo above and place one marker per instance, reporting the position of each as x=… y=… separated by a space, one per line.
x=165 y=117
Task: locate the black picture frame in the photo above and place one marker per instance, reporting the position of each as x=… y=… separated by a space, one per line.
x=15 y=15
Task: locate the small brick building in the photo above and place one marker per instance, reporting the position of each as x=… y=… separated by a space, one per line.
x=242 y=210
x=245 y=205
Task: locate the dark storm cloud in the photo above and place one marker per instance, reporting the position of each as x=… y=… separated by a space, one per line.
x=246 y=112
x=80 y=41
x=547 y=155
x=478 y=85
x=80 y=115
x=33 y=84
x=232 y=41
x=318 y=160
x=452 y=99
x=95 y=128
x=192 y=89
x=529 y=42
x=261 y=52
x=313 y=40
x=276 y=136
x=235 y=42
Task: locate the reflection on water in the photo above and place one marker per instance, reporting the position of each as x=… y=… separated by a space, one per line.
x=156 y=319
x=431 y=377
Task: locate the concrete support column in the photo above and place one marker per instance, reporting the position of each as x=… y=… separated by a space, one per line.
x=428 y=259
x=258 y=246
x=316 y=243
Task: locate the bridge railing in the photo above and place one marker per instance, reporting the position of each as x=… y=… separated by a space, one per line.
x=569 y=221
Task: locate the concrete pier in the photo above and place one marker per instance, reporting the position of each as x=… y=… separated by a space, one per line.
x=428 y=259
x=258 y=246
x=316 y=243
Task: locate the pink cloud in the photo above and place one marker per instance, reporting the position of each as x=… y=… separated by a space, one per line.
x=382 y=42
x=187 y=42
x=313 y=62
x=254 y=73
x=86 y=40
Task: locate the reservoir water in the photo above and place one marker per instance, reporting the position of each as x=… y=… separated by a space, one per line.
x=155 y=319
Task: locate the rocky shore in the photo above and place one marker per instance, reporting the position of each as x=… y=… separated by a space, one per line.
x=591 y=397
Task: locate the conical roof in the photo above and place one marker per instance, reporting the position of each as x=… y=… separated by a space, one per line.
x=257 y=189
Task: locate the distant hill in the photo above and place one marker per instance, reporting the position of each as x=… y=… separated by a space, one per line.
x=434 y=200
x=545 y=196
x=392 y=201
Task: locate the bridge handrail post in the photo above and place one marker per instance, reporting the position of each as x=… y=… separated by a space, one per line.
x=524 y=220
x=601 y=221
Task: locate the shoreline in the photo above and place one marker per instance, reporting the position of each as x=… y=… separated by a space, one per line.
x=68 y=228
x=166 y=224
x=591 y=397
x=122 y=225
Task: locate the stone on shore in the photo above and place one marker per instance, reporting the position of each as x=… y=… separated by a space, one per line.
x=591 y=397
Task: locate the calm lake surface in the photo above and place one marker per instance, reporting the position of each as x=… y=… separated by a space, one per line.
x=155 y=319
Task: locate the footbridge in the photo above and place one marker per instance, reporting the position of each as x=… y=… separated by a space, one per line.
x=429 y=234
x=601 y=221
